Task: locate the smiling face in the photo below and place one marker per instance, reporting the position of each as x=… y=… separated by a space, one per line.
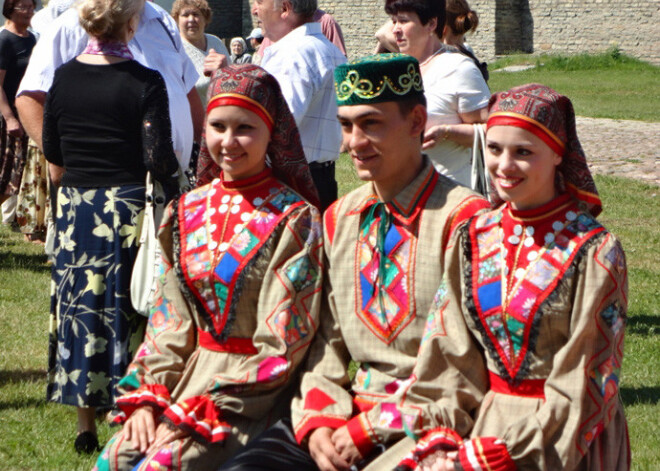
x=383 y=144
x=237 y=140
x=412 y=37
x=236 y=48
x=522 y=166
x=191 y=23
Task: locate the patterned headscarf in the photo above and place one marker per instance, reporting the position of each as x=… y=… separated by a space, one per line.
x=549 y=116
x=251 y=87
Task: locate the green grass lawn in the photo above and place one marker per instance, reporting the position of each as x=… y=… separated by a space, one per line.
x=35 y=435
x=600 y=86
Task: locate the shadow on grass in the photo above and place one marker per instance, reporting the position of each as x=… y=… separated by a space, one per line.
x=643 y=324
x=32 y=262
x=37 y=378
x=23 y=403
x=642 y=395
x=29 y=376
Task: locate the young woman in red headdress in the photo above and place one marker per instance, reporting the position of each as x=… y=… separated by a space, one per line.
x=238 y=293
x=520 y=363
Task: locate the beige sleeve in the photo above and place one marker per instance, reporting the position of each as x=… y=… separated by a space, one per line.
x=581 y=392
x=324 y=399
x=170 y=337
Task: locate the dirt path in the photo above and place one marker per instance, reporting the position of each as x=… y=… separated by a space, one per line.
x=621 y=147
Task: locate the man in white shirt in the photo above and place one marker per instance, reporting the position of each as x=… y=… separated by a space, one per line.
x=303 y=61
x=156 y=45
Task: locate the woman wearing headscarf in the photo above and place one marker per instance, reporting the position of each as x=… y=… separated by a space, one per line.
x=520 y=363
x=239 y=54
x=238 y=293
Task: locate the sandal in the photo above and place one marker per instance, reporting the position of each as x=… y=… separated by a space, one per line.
x=86 y=443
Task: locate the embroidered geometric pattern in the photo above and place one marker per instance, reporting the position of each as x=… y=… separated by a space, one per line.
x=384 y=303
x=224 y=232
x=605 y=373
x=510 y=332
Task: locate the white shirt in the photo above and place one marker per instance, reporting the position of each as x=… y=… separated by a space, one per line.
x=452 y=85
x=197 y=57
x=156 y=45
x=44 y=17
x=303 y=62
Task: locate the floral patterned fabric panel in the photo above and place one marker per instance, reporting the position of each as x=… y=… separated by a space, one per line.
x=94 y=329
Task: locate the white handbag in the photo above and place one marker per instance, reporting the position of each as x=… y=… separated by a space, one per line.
x=480 y=179
x=143 y=277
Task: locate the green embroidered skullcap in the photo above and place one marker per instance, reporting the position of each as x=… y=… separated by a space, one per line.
x=378 y=78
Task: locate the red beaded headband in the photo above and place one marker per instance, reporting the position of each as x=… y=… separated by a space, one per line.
x=236 y=99
x=506 y=118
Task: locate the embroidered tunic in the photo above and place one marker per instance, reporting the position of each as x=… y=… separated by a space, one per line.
x=531 y=347
x=383 y=260
x=236 y=308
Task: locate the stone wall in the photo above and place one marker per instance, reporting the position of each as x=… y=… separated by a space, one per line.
x=568 y=27
x=359 y=20
x=505 y=26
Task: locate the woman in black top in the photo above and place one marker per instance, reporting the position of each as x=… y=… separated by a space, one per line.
x=106 y=123
x=16 y=44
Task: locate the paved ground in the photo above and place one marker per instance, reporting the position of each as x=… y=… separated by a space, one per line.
x=621 y=147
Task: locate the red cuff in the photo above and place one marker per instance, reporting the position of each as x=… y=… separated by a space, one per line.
x=199 y=416
x=309 y=424
x=359 y=430
x=154 y=395
x=485 y=453
x=438 y=439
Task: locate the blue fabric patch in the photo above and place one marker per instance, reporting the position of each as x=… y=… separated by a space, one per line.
x=301 y=273
x=367 y=290
x=490 y=295
x=391 y=239
x=226 y=268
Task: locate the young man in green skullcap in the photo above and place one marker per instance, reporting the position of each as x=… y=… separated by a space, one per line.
x=385 y=243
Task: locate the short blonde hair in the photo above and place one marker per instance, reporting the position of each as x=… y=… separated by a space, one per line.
x=201 y=5
x=106 y=19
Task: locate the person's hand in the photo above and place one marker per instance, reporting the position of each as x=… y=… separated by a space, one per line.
x=165 y=435
x=438 y=461
x=140 y=428
x=213 y=62
x=323 y=451
x=14 y=128
x=434 y=135
x=345 y=446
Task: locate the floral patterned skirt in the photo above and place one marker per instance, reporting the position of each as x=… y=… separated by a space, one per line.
x=12 y=160
x=94 y=329
x=33 y=201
